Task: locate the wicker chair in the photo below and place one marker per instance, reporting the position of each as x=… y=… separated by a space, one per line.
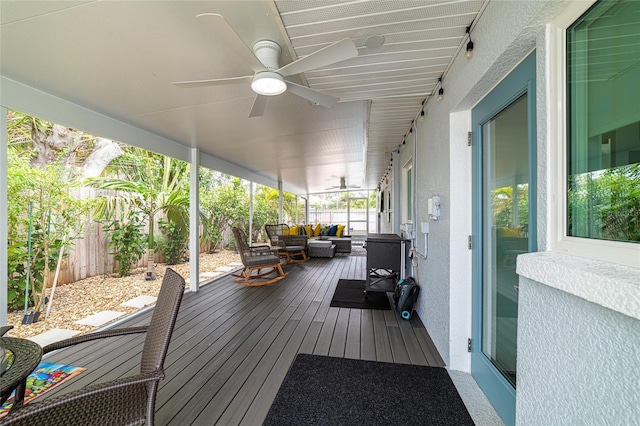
x=125 y=401
x=259 y=262
x=292 y=248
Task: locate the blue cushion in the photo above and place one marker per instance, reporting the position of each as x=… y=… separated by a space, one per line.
x=333 y=230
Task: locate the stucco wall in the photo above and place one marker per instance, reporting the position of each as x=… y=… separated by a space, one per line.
x=504 y=35
x=578 y=362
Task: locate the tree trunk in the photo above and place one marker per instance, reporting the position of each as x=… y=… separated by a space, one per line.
x=104 y=152
x=55 y=142
x=151 y=266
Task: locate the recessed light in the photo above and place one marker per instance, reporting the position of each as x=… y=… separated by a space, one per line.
x=374 y=41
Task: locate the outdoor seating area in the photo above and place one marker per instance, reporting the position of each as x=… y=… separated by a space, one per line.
x=232 y=345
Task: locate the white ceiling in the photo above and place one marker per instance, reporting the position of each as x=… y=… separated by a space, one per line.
x=119 y=58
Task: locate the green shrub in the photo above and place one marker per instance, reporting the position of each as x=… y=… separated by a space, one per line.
x=127 y=241
x=172 y=242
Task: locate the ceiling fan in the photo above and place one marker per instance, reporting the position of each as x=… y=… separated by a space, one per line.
x=269 y=78
x=343 y=185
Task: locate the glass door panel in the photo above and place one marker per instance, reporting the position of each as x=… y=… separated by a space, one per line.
x=358 y=217
x=505 y=222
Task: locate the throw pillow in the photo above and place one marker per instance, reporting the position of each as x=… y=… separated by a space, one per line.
x=293 y=230
x=308 y=231
x=340 y=230
x=332 y=230
x=317 y=230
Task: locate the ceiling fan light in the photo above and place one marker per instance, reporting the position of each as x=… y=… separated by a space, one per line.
x=268 y=83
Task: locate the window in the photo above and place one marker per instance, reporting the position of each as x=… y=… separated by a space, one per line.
x=595 y=130
x=409 y=195
x=603 y=127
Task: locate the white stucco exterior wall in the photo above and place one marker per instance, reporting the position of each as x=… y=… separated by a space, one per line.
x=578 y=361
x=433 y=179
x=444 y=166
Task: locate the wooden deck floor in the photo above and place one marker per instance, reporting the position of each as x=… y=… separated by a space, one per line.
x=233 y=345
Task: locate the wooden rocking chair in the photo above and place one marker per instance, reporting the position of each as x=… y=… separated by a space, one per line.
x=259 y=262
x=292 y=248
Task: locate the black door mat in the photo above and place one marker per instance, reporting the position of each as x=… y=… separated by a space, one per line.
x=350 y=294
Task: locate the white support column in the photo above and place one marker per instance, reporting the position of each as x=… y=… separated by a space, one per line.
x=280 y=203
x=4 y=146
x=306 y=210
x=194 y=220
x=250 y=212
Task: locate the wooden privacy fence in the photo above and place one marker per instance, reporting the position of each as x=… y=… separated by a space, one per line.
x=90 y=256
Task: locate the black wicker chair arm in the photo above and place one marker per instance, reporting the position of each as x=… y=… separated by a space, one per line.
x=93 y=336
x=82 y=339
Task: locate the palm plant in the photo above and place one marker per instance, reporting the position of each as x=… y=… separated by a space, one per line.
x=149 y=184
x=271 y=196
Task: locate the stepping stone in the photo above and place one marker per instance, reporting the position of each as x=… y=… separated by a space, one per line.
x=236 y=264
x=53 y=335
x=225 y=268
x=100 y=318
x=140 y=301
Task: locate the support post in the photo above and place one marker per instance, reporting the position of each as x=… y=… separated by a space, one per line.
x=4 y=162
x=280 y=202
x=250 y=213
x=194 y=220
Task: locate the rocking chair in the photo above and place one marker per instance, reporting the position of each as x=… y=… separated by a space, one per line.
x=292 y=248
x=259 y=262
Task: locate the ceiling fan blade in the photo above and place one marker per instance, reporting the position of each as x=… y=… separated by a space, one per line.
x=337 y=52
x=214 y=82
x=259 y=105
x=325 y=100
x=232 y=38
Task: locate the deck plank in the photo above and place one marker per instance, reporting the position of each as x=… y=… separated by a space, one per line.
x=411 y=343
x=383 y=345
x=352 y=349
x=233 y=345
x=339 y=339
x=367 y=336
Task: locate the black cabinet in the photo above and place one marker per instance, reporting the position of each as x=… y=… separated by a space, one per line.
x=387 y=258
